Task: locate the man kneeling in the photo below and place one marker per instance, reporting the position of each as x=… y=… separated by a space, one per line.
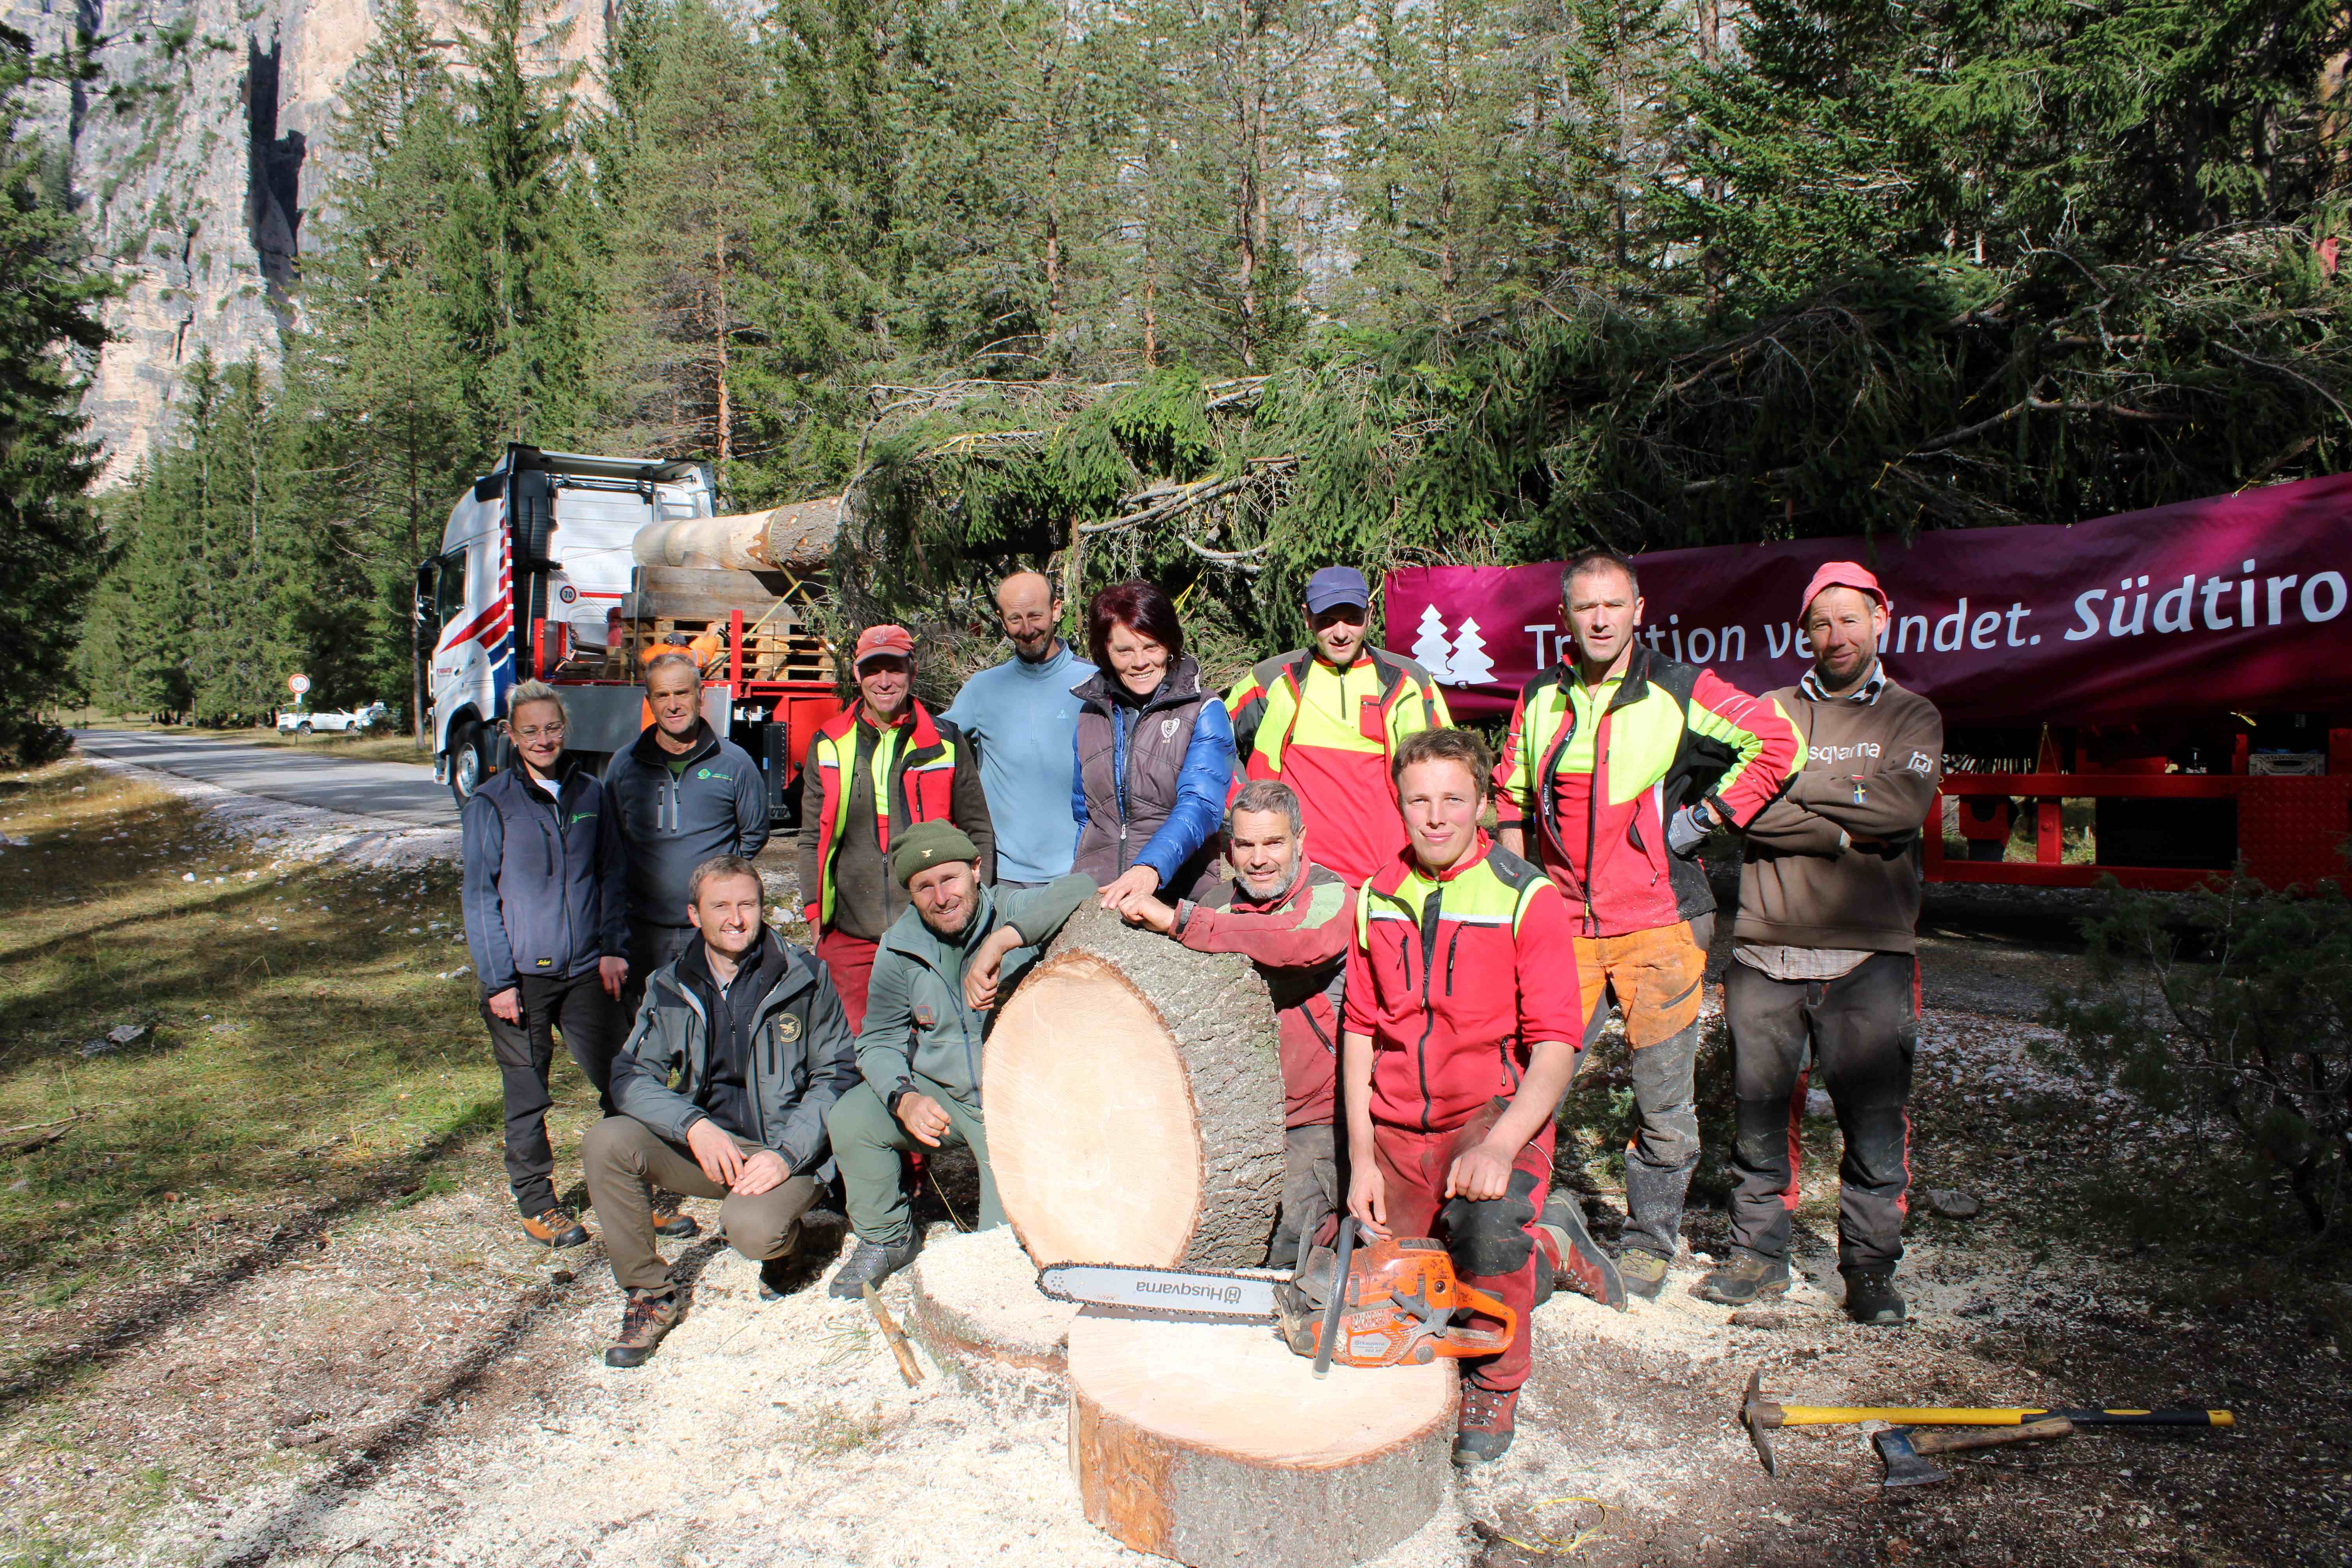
x=937 y=975
x=755 y=1035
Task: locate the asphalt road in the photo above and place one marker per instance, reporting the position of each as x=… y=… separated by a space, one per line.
x=397 y=792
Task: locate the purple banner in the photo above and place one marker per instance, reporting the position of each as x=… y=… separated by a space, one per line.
x=2235 y=603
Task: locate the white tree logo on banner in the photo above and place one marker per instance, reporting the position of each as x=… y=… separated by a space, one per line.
x=1470 y=664
x=1431 y=651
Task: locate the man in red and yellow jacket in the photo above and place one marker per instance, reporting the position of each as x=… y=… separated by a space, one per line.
x=1619 y=762
x=1461 y=1033
x=1326 y=720
x=887 y=763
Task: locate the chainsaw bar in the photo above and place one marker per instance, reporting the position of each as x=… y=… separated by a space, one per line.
x=1175 y=1294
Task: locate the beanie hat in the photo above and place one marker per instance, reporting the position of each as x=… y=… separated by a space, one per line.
x=929 y=844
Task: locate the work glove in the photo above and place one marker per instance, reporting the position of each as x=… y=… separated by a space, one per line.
x=1689 y=830
x=1489 y=1236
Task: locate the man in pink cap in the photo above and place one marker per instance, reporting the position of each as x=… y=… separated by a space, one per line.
x=1826 y=954
x=882 y=766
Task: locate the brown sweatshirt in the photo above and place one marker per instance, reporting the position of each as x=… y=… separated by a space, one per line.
x=1804 y=883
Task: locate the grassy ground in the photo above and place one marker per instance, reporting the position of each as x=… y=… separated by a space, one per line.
x=306 y=1044
x=374 y=747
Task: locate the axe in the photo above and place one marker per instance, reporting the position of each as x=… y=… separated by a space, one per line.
x=1759 y=1416
x=1904 y=1448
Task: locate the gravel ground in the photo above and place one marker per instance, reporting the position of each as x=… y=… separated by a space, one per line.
x=404 y=1379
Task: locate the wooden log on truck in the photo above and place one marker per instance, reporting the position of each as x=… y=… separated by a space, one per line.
x=1133 y=1099
x=1213 y=1444
x=795 y=538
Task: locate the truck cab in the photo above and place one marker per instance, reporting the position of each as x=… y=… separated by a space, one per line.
x=536 y=578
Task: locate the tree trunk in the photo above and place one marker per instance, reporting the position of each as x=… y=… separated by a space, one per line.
x=1214 y=1444
x=978 y=1309
x=1134 y=1102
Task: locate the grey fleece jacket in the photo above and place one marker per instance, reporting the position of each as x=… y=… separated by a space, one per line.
x=916 y=1018
x=804 y=1058
x=717 y=805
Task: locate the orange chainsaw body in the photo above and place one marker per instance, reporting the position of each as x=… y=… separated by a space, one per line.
x=1400 y=1295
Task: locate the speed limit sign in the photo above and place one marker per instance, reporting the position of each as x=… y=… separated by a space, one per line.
x=298 y=684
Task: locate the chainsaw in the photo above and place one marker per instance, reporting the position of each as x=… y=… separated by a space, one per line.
x=1396 y=1307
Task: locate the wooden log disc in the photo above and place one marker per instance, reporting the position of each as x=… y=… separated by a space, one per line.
x=1214 y=1444
x=978 y=1309
x=1134 y=1102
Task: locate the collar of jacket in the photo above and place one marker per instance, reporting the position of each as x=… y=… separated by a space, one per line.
x=797 y=977
x=1181 y=684
x=921 y=942
x=1863 y=695
x=924 y=733
x=569 y=778
x=1408 y=864
x=650 y=750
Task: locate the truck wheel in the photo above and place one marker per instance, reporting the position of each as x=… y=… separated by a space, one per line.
x=469 y=764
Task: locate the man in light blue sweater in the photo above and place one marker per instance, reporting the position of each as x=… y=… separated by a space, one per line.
x=1019 y=714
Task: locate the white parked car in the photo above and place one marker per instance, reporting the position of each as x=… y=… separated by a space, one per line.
x=334 y=722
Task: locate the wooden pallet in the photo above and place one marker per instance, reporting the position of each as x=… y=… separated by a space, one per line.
x=771 y=653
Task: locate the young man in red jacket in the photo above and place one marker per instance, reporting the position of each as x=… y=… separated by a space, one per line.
x=1462 y=1028
x=1619 y=764
x=1294 y=920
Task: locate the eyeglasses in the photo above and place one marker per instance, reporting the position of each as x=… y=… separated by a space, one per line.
x=551 y=731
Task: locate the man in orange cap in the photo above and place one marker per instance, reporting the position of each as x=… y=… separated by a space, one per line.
x=1826 y=954
x=887 y=762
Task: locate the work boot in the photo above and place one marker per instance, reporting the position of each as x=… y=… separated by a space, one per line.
x=871 y=1264
x=644 y=1322
x=1588 y=1271
x=1747 y=1275
x=1486 y=1427
x=777 y=1276
x=1871 y=1296
x=1643 y=1271
x=667 y=1221
x=554 y=1225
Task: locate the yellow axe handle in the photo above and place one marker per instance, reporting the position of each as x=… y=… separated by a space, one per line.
x=1839 y=1415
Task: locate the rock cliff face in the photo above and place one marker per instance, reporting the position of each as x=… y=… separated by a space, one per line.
x=195 y=159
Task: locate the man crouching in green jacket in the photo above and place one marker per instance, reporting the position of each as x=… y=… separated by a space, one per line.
x=941 y=966
x=754 y=1033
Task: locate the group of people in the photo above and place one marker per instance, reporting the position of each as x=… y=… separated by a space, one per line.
x=1436 y=984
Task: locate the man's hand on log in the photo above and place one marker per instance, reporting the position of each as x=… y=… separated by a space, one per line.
x=1367 y=1197
x=762 y=1173
x=924 y=1117
x=714 y=1150
x=987 y=969
x=1150 y=913
x=508 y=1005
x=1134 y=882
x=1480 y=1174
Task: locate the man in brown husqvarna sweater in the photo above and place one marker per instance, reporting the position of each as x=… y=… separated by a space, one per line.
x=1825 y=953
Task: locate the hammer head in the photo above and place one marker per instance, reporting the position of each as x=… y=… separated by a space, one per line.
x=1905 y=1468
x=1759 y=1416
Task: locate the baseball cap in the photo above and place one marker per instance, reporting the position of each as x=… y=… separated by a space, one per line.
x=1844 y=574
x=931 y=843
x=1336 y=585
x=883 y=639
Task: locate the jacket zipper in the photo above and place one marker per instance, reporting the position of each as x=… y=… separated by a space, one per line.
x=1433 y=910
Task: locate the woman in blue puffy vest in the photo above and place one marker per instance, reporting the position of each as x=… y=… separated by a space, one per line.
x=1153 y=752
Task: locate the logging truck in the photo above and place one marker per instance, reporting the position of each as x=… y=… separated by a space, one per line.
x=575 y=570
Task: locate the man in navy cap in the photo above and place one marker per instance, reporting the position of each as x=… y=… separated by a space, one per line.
x=1327 y=719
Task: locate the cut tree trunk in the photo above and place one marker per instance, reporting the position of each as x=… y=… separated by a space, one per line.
x=1133 y=1094
x=979 y=1311
x=1213 y=1444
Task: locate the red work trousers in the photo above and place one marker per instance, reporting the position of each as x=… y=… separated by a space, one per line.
x=1413 y=1170
x=850 y=961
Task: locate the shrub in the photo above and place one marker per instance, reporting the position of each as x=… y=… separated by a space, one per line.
x=2229 y=1006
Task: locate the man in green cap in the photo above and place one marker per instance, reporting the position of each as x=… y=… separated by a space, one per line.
x=938 y=973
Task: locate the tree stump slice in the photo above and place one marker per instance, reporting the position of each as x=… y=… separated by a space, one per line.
x=978 y=1309
x=1214 y=1444
x=1134 y=1102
